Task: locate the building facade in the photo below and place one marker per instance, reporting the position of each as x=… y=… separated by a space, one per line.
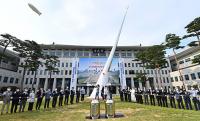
x=68 y=54
x=189 y=71
x=9 y=75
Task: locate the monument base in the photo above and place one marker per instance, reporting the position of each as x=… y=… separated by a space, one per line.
x=95 y=109
x=110 y=109
x=103 y=116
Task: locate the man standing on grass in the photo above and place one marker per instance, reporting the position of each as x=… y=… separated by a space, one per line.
x=6 y=100
x=67 y=93
x=39 y=99
x=82 y=93
x=61 y=94
x=47 y=98
x=72 y=93
x=15 y=101
x=55 y=97
x=195 y=99
x=171 y=98
x=23 y=100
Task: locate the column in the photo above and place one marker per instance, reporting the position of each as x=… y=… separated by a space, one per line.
x=46 y=83
x=54 y=83
x=63 y=84
x=37 y=83
x=147 y=84
x=132 y=83
x=140 y=85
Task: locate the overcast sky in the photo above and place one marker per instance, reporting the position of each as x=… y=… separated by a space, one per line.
x=97 y=22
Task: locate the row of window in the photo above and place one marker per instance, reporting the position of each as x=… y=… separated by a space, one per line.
x=130 y=72
x=187 y=59
x=138 y=65
x=44 y=72
x=11 y=80
x=84 y=53
x=187 y=77
x=163 y=80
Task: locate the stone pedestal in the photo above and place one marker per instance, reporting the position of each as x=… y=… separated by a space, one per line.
x=95 y=109
x=110 y=109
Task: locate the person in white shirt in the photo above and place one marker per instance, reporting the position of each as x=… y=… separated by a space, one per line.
x=195 y=98
x=31 y=100
x=82 y=93
x=6 y=100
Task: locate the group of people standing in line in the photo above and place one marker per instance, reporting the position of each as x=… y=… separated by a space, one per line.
x=178 y=98
x=21 y=98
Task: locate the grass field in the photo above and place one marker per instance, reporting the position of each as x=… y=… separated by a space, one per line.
x=132 y=112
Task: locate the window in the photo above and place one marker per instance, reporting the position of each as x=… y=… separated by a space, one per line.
x=86 y=53
x=181 y=62
x=151 y=71
x=66 y=65
x=70 y=72
x=147 y=71
x=59 y=53
x=198 y=75
x=0 y=78
x=80 y=53
x=72 y=54
x=187 y=77
x=129 y=54
x=123 y=54
x=129 y=65
x=32 y=72
x=165 y=71
x=167 y=79
x=52 y=53
x=26 y=81
x=125 y=65
x=63 y=64
x=116 y=55
x=58 y=64
x=162 y=71
x=125 y=71
x=66 y=72
x=61 y=72
x=176 y=78
x=187 y=60
x=28 y=72
x=163 y=79
x=193 y=76
x=172 y=79
x=5 y=80
x=11 y=80
x=16 y=81
x=131 y=72
x=45 y=72
x=132 y=64
x=31 y=81
x=70 y=64
x=66 y=54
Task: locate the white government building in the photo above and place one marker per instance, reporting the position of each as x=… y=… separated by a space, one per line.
x=10 y=75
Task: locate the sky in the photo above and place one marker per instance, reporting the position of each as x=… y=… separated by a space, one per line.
x=97 y=22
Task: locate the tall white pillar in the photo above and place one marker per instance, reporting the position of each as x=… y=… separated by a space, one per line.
x=140 y=85
x=46 y=83
x=54 y=83
x=132 y=83
x=63 y=84
x=147 y=84
x=37 y=83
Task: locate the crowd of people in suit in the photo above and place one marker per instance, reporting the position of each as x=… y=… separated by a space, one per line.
x=27 y=96
x=177 y=98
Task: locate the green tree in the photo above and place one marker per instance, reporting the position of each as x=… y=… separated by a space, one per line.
x=193 y=30
x=172 y=41
x=156 y=58
x=50 y=64
x=141 y=77
x=31 y=53
x=6 y=41
x=142 y=57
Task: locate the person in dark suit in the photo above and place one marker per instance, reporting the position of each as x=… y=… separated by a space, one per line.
x=39 y=98
x=55 y=97
x=186 y=97
x=72 y=93
x=67 y=93
x=121 y=94
x=152 y=97
x=15 y=101
x=47 y=98
x=164 y=98
x=61 y=95
x=179 y=99
x=23 y=100
x=171 y=98
x=78 y=95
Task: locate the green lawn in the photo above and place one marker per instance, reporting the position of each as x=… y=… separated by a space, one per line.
x=132 y=112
